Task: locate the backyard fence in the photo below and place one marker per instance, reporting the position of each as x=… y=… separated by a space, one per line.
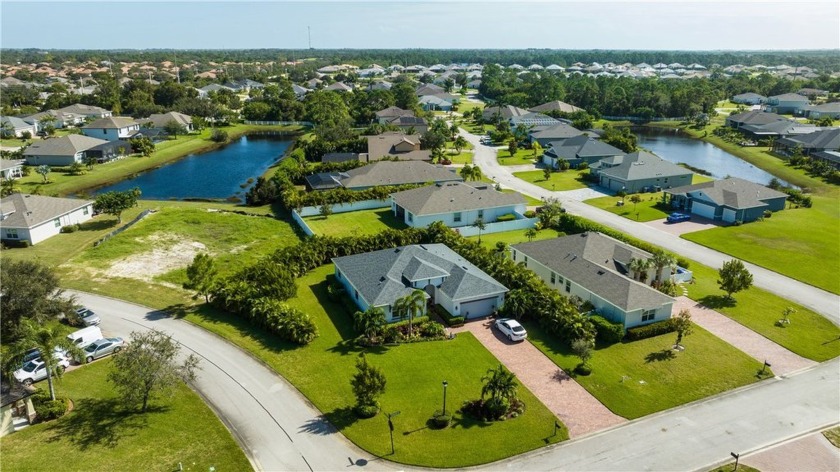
x=119 y=230
x=280 y=123
x=500 y=226
x=298 y=216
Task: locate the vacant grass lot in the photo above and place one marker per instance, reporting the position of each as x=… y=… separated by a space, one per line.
x=649 y=209
x=513 y=237
x=635 y=379
x=567 y=180
x=522 y=157
x=414 y=372
x=809 y=334
x=99 y=435
x=465 y=157
x=64 y=184
x=354 y=223
x=800 y=243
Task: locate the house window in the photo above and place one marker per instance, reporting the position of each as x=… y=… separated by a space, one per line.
x=85 y=210
x=57 y=222
x=553 y=278
x=648 y=315
x=513 y=255
x=525 y=260
x=568 y=286
x=481 y=213
x=104 y=131
x=356 y=294
x=410 y=217
x=458 y=217
x=11 y=233
x=337 y=274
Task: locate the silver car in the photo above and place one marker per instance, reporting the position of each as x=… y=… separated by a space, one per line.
x=36 y=370
x=88 y=317
x=103 y=347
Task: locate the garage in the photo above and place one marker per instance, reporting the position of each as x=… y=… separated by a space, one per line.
x=704 y=210
x=479 y=308
x=729 y=215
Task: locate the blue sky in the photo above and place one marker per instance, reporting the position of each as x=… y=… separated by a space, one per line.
x=651 y=24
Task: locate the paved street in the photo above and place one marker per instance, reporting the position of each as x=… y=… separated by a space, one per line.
x=280 y=430
x=819 y=300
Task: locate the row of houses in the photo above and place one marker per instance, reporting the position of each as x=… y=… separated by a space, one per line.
x=798 y=103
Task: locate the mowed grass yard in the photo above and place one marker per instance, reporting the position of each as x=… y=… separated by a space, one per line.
x=637 y=378
x=414 y=372
x=800 y=243
x=567 y=180
x=352 y=223
x=513 y=237
x=649 y=209
x=100 y=435
x=522 y=157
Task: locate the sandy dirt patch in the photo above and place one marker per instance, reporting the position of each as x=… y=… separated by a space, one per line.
x=169 y=253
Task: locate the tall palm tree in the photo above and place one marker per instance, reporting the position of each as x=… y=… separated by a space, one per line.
x=660 y=261
x=370 y=321
x=499 y=383
x=531 y=234
x=46 y=339
x=638 y=268
x=481 y=225
x=411 y=305
x=476 y=173
x=467 y=172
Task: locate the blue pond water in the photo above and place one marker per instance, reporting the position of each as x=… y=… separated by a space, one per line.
x=676 y=147
x=217 y=174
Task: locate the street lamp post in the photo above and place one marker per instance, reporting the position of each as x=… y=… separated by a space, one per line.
x=391 y=427
x=445 y=384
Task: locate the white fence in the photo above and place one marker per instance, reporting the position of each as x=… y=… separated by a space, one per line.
x=279 y=123
x=499 y=226
x=682 y=275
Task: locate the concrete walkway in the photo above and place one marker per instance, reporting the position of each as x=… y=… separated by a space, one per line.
x=812 y=453
x=755 y=345
x=587 y=193
x=578 y=409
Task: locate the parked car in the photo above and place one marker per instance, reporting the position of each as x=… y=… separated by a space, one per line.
x=36 y=370
x=677 y=217
x=35 y=355
x=102 y=348
x=85 y=336
x=88 y=317
x=512 y=329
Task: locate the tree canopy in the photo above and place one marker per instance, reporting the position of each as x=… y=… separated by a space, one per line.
x=114 y=202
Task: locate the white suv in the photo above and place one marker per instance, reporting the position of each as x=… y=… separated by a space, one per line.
x=36 y=370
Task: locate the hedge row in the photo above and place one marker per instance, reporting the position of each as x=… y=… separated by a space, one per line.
x=448 y=318
x=649 y=331
x=606 y=331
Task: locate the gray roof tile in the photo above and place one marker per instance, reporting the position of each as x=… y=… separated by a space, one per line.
x=454 y=196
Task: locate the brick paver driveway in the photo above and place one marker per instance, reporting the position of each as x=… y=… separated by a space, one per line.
x=578 y=409
x=755 y=345
x=812 y=453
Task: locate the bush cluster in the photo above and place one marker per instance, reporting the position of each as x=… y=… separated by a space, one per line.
x=649 y=331
x=448 y=318
x=493 y=409
x=47 y=409
x=70 y=228
x=507 y=217
x=606 y=331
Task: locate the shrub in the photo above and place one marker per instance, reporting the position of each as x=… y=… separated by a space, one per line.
x=432 y=329
x=366 y=411
x=768 y=213
x=683 y=262
x=606 y=331
x=649 y=331
x=69 y=228
x=219 y=136
x=496 y=407
x=449 y=319
x=507 y=217
x=440 y=421
x=530 y=214
x=335 y=291
x=47 y=409
x=583 y=369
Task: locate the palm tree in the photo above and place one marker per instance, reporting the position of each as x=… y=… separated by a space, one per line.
x=8 y=186
x=479 y=223
x=531 y=234
x=370 y=321
x=499 y=383
x=638 y=268
x=466 y=172
x=476 y=173
x=411 y=305
x=660 y=261
x=459 y=143
x=46 y=339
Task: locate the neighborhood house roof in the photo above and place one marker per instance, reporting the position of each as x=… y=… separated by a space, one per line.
x=79 y=109
x=556 y=105
x=63 y=146
x=559 y=131
x=111 y=122
x=643 y=165
x=454 y=196
x=731 y=192
x=10 y=164
x=788 y=97
x=393 y=112
x=755 y=117
x=580 y=147
x=161 y=119
x=382 y=277
x=597 y=263
x=20 y=210
x=823 y=139
x=397 y=173
x=397 y=145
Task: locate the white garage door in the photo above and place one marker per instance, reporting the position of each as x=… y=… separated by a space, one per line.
x=701 y=209
x=478 y=308
x=728 y=215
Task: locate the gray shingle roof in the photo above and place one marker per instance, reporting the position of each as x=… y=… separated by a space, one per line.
x=381 y=277
x=397 y=173
x=580 y=147
x=556 y=105
x=789 y=97
x=161 y=119
x=393 y=112
x=755 y=117
x=63 y=146
x=732 y=192
x=86 y=110
x=559 y=131
x=596 y=262
x=644 y=165
x=823 y=139
x=111 y=122
x=454 y=196
x=28 y=211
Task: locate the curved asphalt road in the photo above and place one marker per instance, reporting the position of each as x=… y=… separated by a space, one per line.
x=281 y=431
x=819 y=300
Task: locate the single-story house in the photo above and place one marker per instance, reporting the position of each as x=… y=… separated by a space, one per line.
x=16 y=408
x=749 y=98
x=729 y=200
x=595 y=267
x=160 y=120
x=412 y=124
x=204 y=92
x=383 y=173
x=786 y=103
x=577 y=150
x=11 y=169
x=34 y=218
x=112 y=128
x=57 y=120
x=388 y=114
x=831 y=110
x=778 y=129
x=456 y=204
x=395 y=145
x=822 y=140
x=812 y=92
x=638 y=172
x=14 y=127
x=380 y=278
x=752 y=117
x=502 y=113
x=558 y=132
x=339 y=87
x=555 y=106
x=429 y=89
x=832 y=158
x=87 y=111
x=299 y=91
x=531 y=119
x=245 y=85
x=66 y=150
x=441 y=102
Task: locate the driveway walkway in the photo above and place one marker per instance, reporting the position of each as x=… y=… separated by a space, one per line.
x=582 y=194
x=755 y=345
x=812 y=453
x=578 y=409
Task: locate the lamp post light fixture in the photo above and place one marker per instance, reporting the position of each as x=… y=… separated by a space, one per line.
x=445 y=384
x=391 y=427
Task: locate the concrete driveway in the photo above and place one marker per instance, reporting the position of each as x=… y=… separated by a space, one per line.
x=696 y=223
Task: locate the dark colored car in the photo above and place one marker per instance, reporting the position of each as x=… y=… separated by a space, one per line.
x=677 y=217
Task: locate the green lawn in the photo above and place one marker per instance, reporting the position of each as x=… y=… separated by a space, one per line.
x=531 y=200
x=833 y=436
x=634 y=379
x=99 y=435
x=465 y=157
x=522 y=157
x=649 y=209
x=354 y=222
x=414 y=372
x=102 y=174
x=465 y=106
x=567 y=180
x=513 y=237
x=809 y=334
x=730 y=467
x=800 y=243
